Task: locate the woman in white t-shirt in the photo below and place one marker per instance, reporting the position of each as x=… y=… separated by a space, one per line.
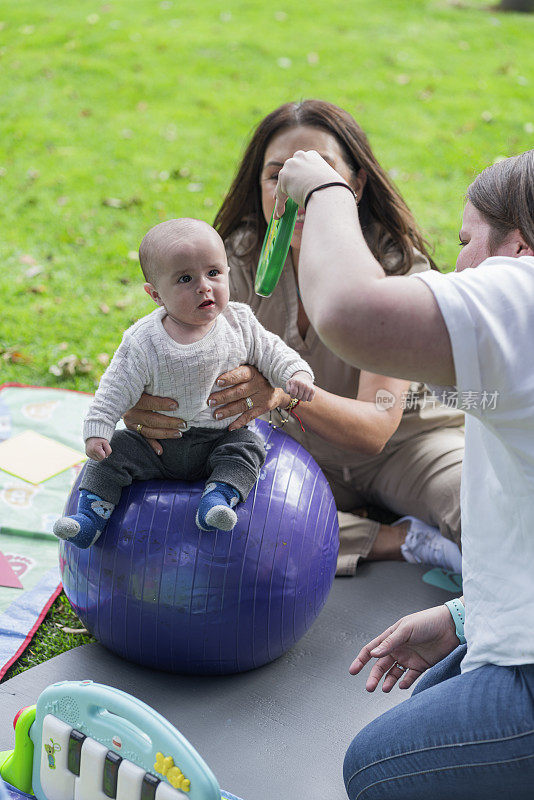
x=468 y=729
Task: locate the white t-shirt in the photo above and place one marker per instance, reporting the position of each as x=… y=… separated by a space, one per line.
x=489 y=314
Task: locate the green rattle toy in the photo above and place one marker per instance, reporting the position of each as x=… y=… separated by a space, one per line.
x=275 y=249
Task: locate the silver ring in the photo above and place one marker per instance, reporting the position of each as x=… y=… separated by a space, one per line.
x=396 y=664
x=250 y=402
x=138 y=428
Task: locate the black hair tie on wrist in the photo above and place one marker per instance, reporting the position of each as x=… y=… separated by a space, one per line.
x=326 y=186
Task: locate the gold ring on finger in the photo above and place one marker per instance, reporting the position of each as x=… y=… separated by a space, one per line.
x=138 y=428
x=250 y=402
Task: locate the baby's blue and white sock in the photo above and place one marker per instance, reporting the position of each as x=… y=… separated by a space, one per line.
x=84 y=527
x=216 y=506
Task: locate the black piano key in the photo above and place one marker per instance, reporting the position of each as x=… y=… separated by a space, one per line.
x=148 y=787
x=111 y=774
x=76 y=740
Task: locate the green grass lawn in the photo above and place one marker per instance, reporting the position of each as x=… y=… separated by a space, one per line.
x=117 y=115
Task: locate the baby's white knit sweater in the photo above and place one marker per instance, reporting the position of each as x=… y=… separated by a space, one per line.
x=149 y=360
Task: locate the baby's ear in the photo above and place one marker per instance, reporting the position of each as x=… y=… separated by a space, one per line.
x=151 y=290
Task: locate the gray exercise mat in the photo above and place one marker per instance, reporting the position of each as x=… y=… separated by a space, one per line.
x=279 y=732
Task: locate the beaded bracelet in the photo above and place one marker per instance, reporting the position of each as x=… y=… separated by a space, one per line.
x=290 y=409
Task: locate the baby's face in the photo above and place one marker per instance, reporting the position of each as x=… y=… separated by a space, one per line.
x=192 y=280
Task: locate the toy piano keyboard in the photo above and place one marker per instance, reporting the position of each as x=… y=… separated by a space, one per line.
x=86 y=741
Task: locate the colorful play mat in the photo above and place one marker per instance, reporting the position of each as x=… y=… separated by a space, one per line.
x=40 y=438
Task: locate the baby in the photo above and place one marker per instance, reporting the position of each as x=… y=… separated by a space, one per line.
x=179 y=351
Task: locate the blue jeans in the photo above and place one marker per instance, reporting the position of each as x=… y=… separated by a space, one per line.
x=458 y=737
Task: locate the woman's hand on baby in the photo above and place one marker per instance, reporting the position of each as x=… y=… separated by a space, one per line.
x=96 y=448
x=299 y=175
x=154 y=425
x=242 y=384
x=416 y=642
x=300 y=386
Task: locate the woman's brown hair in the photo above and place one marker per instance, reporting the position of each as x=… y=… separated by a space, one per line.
x=504 y=195
x=386 y=220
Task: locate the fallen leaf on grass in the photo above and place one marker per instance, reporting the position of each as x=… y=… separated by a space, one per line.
x=426 y=94
x=28 y=259
x=117 y=202
x=183 y=172
x=71 y=365
x=71 y=630
x=32 y=272
x=104 y=308
x=13 y=356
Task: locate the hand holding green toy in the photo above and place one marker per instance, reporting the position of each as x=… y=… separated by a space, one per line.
x=275 y=249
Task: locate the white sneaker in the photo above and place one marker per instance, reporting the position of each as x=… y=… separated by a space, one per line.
x=424 y=544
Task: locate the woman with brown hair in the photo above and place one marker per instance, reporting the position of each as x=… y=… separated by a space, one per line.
x=377 y=442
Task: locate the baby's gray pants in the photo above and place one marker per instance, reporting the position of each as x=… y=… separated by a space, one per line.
x=233 y=457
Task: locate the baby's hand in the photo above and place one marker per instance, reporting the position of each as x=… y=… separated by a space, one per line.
x=300 y=386
x=97 y=449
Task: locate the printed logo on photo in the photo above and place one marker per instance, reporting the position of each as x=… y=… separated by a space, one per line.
x=384 y=400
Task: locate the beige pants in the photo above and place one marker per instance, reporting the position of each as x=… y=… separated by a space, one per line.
x=420 y=477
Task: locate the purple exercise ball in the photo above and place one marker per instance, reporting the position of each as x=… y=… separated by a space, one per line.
x=158 y=591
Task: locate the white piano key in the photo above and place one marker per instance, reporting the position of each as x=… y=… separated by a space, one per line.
x=166 y=792
x=57 y=782
x=89 y=785
x=129 y=781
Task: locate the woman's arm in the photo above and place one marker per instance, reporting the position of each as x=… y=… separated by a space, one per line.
x=391 y=326
x=354 y=425
x=363 y=425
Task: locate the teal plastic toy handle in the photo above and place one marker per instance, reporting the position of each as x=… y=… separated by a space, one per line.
x=275 y=249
